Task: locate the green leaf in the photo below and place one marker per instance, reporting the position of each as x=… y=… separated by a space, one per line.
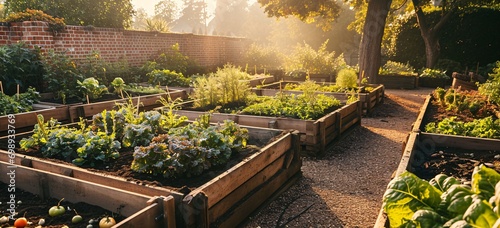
x=428 y=219
x=456 y=199
x=443 y=182
x=407 y=194
x=484 y=180
x=480 y=213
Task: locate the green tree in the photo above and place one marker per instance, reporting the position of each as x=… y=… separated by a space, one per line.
x=431 y=31
x=166 y=10
x=326 y=11
x=101 y=13
x=193 y=16
x=229 y=15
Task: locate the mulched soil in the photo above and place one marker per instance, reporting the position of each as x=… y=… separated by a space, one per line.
x=34 y=208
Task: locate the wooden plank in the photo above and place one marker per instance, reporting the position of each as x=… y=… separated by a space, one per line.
x=418 y=124
x=243 y=171
x=74 y=190
x=243 y=210
x=460 y=142
x=224 y=205
x=85 y=175
x=29 y=119
x=143 y=218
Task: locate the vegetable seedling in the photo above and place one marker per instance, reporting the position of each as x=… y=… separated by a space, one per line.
x=57 y=210
x=107 y=222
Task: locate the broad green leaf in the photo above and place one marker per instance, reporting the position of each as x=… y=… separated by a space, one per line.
x=443 y=182
x=428 y=219
x=407 y=194
x=461 y=224
x=480 y=213
x=484 y=180
x=456 y=199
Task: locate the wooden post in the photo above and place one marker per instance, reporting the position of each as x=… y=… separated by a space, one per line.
x=1 y=86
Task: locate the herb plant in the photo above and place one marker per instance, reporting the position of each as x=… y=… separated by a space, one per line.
x=434 y=73
x=168 y=78
x=444 y=201
x=482 y=128
x=397 y=68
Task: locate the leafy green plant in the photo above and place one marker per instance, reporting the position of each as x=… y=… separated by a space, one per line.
x=443 y=201
x=307 y=59
x=13 y=104
x=464 y=102
x=98 y=147
x=20 y=65
x=118 y=86
x=41 y=132
x=397 y=68
x=263 y=57
x=482 y=128
x=94 y=67
x=189 y=150
x=167 y=77
x=434 y=73
x=133 y=88
x=170 y=59
x=91 y=88
x=347 y=78
x=61 y=75
x=491 y=87
x=303 y=106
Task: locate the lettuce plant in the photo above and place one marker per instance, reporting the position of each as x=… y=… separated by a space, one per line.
x=443 y=201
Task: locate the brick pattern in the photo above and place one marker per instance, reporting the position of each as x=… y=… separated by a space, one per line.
x=113 y=44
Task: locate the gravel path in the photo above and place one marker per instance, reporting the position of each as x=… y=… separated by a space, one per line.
x=345 y=187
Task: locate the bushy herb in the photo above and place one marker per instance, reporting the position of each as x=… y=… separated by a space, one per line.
x=347 y=78
x=13 y=104
x=482 y=128
x=444 y=201
x=222 y=87
x=307 y=59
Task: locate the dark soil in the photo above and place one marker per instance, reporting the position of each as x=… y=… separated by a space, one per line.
x=34 y=208
x=457 y=163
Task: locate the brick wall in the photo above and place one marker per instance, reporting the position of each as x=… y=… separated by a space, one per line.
x=113 y=44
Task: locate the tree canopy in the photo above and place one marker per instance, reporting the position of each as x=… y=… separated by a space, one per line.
x=100 y=13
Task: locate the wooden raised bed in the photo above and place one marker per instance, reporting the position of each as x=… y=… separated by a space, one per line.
x=315 y=135
x=464 y=85
x=25 y=121
x=419 y=146
x=147 y=102
x=368 y=100
x=52 y=185
x=257 y=80
x=433 y=82
x=398 y=81
x=228 y=198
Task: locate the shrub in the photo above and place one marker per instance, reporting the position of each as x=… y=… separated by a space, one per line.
x=61 y=75
x=314 y=62
x=20 y=65
x=491 y=87
x=55 y=24
x=397 y=68
x=347 y=78
x=170 y=59
x=263 y=57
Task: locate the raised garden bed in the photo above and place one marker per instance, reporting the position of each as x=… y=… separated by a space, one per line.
x=398 y=81
x=315 y=135
x=92 y=201
x=427 y=155
x=462 y=84
x=369 y=99
x=257 y=80
x=24 y=121
x=222 y=197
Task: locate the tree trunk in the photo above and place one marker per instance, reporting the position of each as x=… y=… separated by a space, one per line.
x=432 y=49
x=371 y=43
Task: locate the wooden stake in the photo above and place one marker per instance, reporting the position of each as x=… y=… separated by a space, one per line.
x=18 y=91
x=88 y=100
x=138 y=102
x=1 y=86
x=255 y=68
